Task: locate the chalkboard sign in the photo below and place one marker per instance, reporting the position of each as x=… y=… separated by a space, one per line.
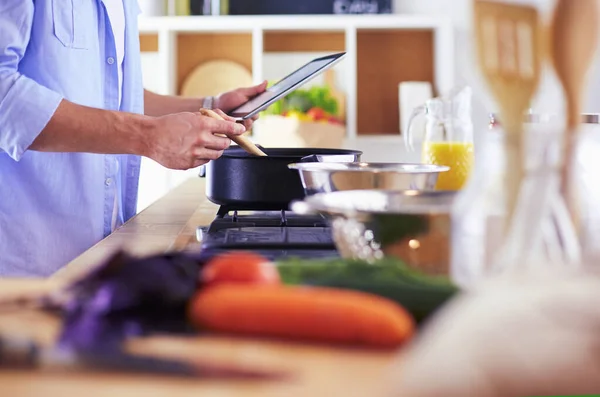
x=292 y=7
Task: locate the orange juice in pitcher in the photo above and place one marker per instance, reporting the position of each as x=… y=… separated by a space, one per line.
x=448 y=137
x=458 y=156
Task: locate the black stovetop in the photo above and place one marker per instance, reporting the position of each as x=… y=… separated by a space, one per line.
x=273 y=234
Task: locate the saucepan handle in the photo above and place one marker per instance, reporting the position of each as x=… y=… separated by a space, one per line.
x=313 y=158
x=328 y=158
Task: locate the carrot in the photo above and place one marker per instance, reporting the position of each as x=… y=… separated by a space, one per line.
x=310 y=313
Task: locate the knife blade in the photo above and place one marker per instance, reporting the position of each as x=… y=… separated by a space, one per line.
x=25 y=354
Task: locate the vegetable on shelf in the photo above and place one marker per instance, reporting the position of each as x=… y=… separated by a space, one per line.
x=314 y=104
x=302 y=313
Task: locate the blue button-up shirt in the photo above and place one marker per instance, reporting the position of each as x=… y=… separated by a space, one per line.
x=54 y=206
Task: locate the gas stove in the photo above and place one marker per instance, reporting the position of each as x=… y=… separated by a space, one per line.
x=272 y=234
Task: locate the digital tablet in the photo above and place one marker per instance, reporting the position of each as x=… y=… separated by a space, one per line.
x=285 y=86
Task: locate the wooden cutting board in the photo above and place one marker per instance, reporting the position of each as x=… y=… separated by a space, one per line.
x=215 y=77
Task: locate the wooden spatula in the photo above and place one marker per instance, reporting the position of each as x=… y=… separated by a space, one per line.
x=242 y=141
x=508 y=44
x=574 y=38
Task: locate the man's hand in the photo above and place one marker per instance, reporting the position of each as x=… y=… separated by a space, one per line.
x=187 y=140
x=178 y=141
x=232 y=99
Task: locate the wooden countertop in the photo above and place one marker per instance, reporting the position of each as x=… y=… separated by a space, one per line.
x=170 y=223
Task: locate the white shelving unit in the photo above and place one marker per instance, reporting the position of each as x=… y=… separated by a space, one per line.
x=167 y=29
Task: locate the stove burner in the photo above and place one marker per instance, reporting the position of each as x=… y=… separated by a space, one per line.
x=269 y=237
x=273 y=234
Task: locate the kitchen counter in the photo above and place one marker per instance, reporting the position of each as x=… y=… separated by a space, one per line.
x=170 y=224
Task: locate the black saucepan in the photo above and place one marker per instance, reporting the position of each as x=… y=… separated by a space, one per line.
x=238 y=180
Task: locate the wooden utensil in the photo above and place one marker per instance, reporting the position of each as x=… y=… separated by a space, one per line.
x=508 y=41
x=242 y=141
x=573 y=35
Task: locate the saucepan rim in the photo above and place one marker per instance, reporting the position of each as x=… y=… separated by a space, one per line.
x=238 y=153
x=360 y=166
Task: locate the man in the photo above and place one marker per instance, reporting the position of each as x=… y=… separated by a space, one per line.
x=74 y=121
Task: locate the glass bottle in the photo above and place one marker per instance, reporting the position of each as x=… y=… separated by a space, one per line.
x=478 y=212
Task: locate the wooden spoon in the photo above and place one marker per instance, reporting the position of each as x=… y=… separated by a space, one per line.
x=574 y=34
x=242 y=141
x=509 y=52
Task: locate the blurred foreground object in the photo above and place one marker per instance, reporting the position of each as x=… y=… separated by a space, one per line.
x=510 y=58
x=520 y=335
x=573 y=42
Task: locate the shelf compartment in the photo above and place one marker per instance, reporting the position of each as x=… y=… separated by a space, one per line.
x=303 y=41
x=149 y=42
x=196 y=48
x=386 y=58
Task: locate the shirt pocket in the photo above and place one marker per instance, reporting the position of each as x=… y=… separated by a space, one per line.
x=71 y=22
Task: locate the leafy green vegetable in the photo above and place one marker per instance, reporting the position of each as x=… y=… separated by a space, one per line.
x=300 y=102
x=391 y=278
x=391 y=228
x=320 y=96
x=294 y=271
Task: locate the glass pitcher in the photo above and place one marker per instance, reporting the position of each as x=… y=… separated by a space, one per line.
x=448 y=136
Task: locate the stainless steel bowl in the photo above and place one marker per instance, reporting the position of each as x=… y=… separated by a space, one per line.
x=413 y=226
x=320 y=177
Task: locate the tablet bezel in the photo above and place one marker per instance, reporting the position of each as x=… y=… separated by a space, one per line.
x=335 y=59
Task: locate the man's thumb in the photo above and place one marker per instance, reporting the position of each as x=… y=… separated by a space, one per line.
x=257 y=89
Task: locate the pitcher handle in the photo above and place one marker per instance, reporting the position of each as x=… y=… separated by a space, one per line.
x=408 y=140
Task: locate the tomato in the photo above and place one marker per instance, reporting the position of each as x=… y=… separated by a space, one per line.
x=240 y=267
x=317 y=114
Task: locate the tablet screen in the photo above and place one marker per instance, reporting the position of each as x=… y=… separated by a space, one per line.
x=285 y=86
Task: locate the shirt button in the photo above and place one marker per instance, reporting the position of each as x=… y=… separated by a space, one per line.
x=110 y=60
x=108 y=181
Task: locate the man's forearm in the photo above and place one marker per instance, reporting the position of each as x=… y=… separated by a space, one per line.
x=160 y=105
x=76 y=128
